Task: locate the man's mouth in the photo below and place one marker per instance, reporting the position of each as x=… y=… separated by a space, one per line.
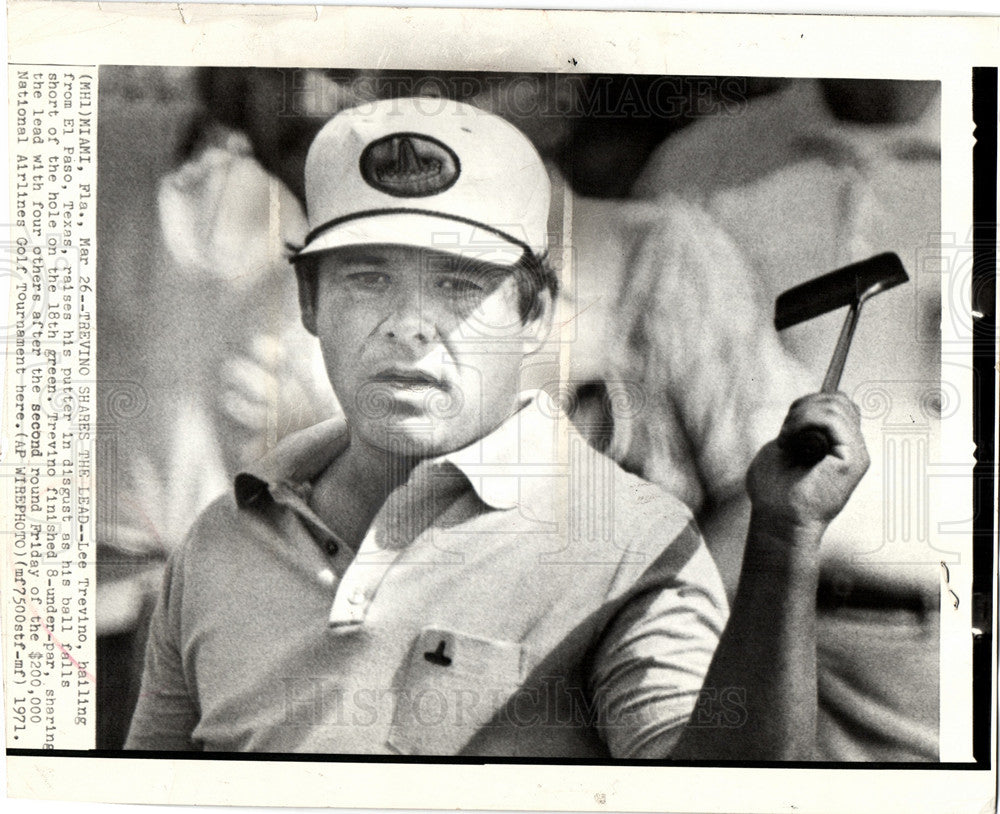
x=408 y=379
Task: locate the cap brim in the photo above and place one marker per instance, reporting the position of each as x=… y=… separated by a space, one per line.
x=421 y=230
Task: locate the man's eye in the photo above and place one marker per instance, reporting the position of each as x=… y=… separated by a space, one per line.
x=459 y=286
x=368 y=279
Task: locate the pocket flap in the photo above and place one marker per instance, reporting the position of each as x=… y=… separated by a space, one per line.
x=451 y=686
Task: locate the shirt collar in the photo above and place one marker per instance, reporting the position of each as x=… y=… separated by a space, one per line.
x=297 y=459
x=501 y=467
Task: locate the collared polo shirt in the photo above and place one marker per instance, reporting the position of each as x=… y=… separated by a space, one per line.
x=523 y=596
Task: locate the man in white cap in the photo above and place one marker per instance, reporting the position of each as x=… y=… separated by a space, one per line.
x=450 y=568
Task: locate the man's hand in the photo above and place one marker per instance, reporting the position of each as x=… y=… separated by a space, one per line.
x=798 y=501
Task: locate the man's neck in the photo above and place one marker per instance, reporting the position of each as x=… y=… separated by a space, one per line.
x=350 y=492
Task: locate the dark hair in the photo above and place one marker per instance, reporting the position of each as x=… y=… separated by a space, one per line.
x=534 y=275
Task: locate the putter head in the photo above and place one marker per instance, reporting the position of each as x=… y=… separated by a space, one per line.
x=851 y=284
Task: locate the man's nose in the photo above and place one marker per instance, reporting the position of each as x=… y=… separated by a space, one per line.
x=409 y=322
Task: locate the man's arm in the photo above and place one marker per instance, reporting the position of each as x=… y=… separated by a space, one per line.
x=768 y=649
x=166 y=713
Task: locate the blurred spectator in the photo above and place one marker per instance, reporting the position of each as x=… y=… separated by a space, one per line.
x=620 y=119
x=192 y=275
x=815 y=176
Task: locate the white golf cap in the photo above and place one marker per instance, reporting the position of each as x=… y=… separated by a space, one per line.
x=426 y=172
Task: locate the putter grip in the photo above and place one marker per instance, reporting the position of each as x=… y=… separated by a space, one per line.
x=807 y=447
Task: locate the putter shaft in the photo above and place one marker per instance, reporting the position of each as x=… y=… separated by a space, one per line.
x=836 y=369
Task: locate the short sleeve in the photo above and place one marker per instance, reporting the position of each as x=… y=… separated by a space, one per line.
x=652 y=658
x=166 y=713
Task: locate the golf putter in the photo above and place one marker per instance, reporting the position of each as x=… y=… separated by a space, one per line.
x=851 y=285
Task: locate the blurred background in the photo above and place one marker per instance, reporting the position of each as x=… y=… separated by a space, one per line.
x=706 y=195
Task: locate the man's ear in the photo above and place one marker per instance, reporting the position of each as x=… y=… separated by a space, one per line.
x=539 y=326
x=308 y=281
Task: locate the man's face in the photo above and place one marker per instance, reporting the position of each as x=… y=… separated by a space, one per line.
x=423 y=348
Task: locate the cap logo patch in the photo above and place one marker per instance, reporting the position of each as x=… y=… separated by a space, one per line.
x=409 y=165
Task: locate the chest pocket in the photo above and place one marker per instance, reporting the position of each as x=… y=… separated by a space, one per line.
x=450 y=687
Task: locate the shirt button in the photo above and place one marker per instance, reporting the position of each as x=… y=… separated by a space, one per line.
x=358 y=597
x=331 y=548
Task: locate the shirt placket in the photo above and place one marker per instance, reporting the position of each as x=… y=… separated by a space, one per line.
x=302 y=517
x=396 y=525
